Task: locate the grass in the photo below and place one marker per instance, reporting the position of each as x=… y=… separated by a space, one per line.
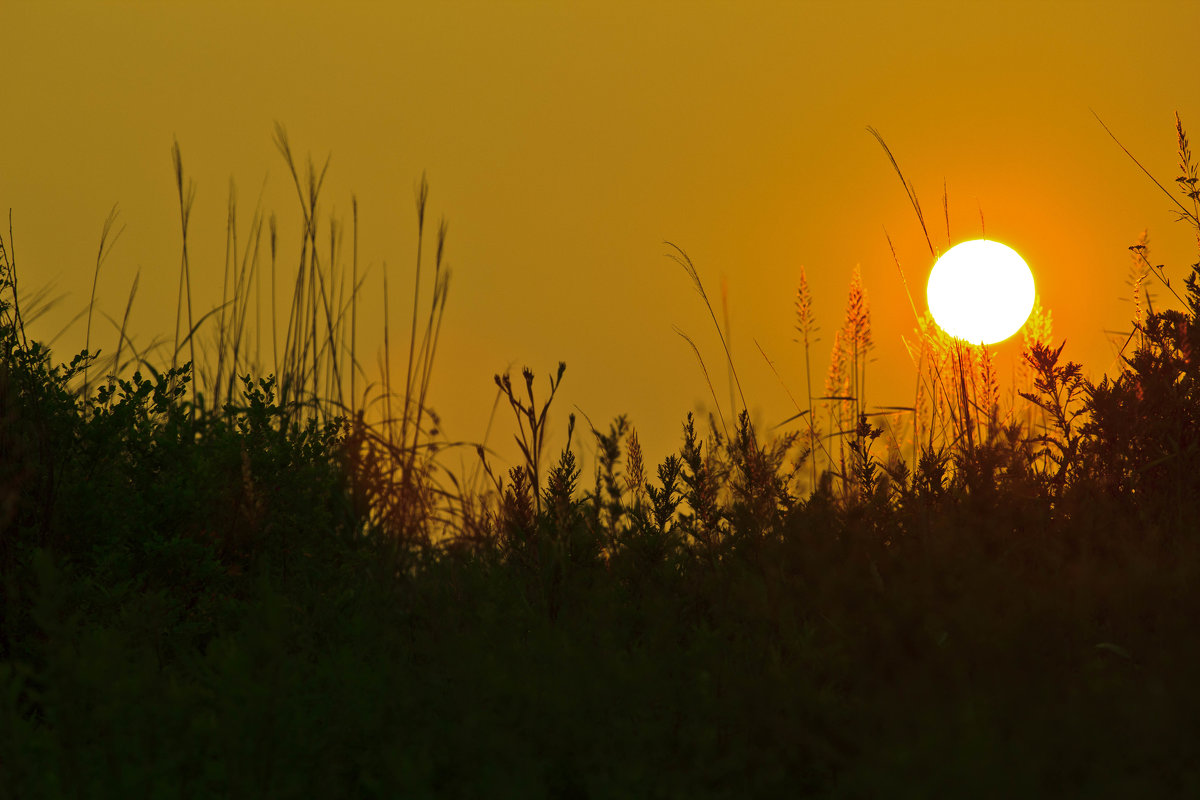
x=219 y=582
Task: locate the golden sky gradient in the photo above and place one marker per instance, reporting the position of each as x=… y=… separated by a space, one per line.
x=565 y=142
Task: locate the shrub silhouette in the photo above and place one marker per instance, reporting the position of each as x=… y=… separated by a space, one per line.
x=1143 y=430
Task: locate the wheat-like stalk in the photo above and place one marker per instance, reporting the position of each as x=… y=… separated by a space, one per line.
x=806 y=326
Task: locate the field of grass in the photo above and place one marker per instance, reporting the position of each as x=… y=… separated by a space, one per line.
x=226 y=576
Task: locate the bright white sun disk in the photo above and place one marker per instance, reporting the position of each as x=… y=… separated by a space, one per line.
x=980 y=291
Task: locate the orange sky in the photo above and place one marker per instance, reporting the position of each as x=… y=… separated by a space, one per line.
x=566 y=141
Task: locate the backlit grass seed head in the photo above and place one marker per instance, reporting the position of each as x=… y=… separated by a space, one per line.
x=1137 y=300
x=837 y=383
x=858 y=317
x=1140 y=273
x=1187 y=180
x=835 y=378
x=1040 y=326
x=805 y=325
x=989 y=384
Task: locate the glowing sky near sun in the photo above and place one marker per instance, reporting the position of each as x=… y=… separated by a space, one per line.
x=566 y=142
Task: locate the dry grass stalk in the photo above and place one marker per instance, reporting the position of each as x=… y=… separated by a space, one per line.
x=681 y=258
x=187 y=197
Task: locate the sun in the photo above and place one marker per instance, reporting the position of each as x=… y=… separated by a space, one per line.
x=980 y=291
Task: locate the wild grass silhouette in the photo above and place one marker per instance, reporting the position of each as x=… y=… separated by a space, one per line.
x=223 y=582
